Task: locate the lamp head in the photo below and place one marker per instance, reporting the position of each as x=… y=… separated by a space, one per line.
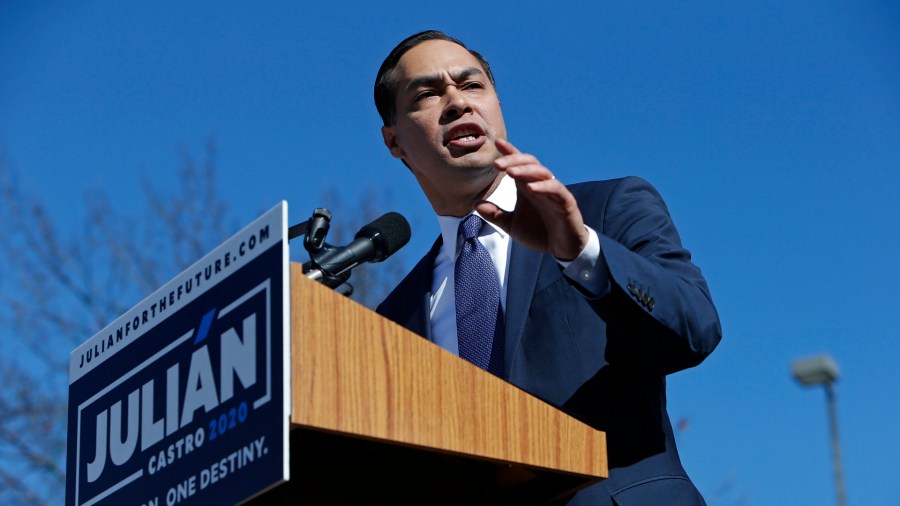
x=818 y=370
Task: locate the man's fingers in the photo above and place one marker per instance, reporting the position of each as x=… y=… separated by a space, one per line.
x=520 y=166
x=505 y=147
x=530 y=172
x=546 y=187
x=494 y=214
x=508 y=161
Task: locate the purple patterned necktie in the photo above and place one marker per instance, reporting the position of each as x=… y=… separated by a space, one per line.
x=479 y=316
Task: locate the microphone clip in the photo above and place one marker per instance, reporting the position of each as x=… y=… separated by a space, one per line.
x=331 y=265
x=317 y=228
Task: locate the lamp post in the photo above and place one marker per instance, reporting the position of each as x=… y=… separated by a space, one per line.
x=822 y=370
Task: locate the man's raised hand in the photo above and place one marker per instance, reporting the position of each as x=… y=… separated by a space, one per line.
x=546 y=217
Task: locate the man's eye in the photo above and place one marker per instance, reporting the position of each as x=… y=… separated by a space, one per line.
x=423 y=95
x=475 y=85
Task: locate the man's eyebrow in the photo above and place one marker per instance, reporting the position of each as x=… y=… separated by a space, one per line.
x=433 y=80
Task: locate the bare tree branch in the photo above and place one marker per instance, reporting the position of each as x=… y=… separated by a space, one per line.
x=63 y=283
x=371 y=283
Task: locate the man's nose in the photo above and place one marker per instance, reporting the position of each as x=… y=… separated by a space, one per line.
x=456 y=105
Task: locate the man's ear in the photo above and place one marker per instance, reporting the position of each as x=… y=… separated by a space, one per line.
x=389 y=134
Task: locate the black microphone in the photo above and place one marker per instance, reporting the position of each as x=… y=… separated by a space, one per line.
x=373 y=243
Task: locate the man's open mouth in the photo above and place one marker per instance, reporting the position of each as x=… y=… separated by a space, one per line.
x=465 y=134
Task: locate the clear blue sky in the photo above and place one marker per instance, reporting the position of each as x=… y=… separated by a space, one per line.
x=772 y=131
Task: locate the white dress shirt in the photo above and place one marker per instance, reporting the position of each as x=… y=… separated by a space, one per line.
x=442 y=312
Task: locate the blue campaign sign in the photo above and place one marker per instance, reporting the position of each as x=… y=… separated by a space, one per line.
x=185 y=398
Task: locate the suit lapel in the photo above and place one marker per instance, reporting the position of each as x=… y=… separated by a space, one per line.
x=419 y=321
x=408 y=305
x=524 y=265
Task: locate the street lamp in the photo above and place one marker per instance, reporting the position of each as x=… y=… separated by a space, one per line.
x=822 y=370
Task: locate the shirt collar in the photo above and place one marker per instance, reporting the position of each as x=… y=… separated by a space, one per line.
x=504 y=197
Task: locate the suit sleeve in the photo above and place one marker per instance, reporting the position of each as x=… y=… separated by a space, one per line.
x=658 y=309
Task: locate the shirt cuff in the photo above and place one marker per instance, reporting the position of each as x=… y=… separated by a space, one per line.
x=588 y=269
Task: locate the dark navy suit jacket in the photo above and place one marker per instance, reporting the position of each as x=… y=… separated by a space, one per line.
x=603 y=358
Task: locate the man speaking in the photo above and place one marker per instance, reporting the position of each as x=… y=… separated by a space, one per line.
x=581 y=295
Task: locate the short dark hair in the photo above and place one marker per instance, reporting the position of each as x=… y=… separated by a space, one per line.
x=386 y=80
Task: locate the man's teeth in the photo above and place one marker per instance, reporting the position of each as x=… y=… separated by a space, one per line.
x=470 y=137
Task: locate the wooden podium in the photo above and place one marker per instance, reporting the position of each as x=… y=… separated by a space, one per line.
x=382 y=416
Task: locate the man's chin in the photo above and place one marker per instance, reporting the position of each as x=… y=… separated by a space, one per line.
x=477 y=170
x=475 y=160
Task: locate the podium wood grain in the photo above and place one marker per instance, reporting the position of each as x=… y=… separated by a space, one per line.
x=357 y=374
